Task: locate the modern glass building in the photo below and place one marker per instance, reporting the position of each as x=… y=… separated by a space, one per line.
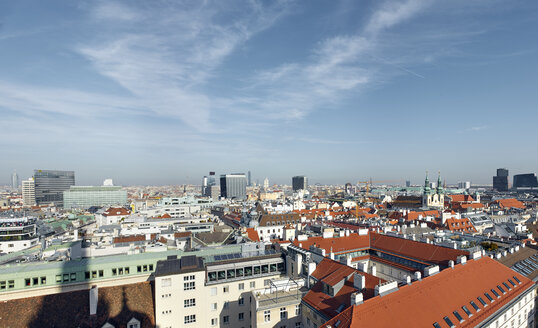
x=86 y=197
x=299 y=182
x=500 y=182
x=233 y=185
x=50 y=185
x=526 y=181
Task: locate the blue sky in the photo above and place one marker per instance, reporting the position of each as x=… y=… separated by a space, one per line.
x=161 y=92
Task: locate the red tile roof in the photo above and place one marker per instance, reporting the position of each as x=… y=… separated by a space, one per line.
x=415 y=249
x=252 y=234
x=510 y=203
x=338 y=244
x=431 y=299
x=460 y=198
x=116 y=211
x=460 y=225
x=129 y=239
x=332 y=272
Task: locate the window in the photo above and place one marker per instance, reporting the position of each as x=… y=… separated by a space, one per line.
x=166 y=282
x=213 y=291
x=139 y=268
x=458 y=316
x=73 y=276
x=226 y=319
x=283 y=313
x=515 y=278
x=214 y=321
x=35 y=281
x=489 y=297
x=189 y=302
x=212 y=276
x=189 y=278
x=101 y=273
x=66 y=277
x=241 y=286
x=252 y=284
x=507 y=287
x=213 y=306
x=241 y=316
x=501 y=289
x=87 y=275
x=114 y=272
x=511 y=283
x=190 y=318
x=27 y=282
x=189 y=285
x=267 y=315
x=495 y=293
x=436 y=325
x=11 y=284
x=3 y=284
x=225 y=305
x=298 y=309
x=267 y=282
x=226 y=289
x=475 y=306
x=241 y=301
x=449 y=322
x=482 y=301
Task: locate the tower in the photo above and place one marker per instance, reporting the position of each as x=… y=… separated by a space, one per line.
x=433 y=197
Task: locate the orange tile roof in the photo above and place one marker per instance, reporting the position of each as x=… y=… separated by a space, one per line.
x=128 y=239
x=460 y=198
x=116 y=211
x=411 y=215
x=338 y=244
x=332 y=272
x=431 y=299
x=415 y=249
x=510 y=203
x=460 y=225
x=252 y=234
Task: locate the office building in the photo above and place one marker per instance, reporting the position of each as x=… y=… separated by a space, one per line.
x=233 y=185
x=50 y=185
x=526 y=181
x=249 y=182
x=209 y=186
x=299 y=182
x=500 y=181
x=464 y=185
x=86 y=197
x=28 y=192
x=14 y=180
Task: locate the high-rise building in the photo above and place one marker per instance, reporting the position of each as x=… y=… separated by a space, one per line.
x=87 y=196
x=266 y=183
x=28 y=192
x=249 y=182
x=14 y=180
x=299 y=182
x=50 y=185
x=500 y=181
x=408 y=183
x=209 y=186
x=233 y=185
x=526 y=181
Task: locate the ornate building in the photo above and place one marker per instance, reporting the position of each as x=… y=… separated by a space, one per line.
x=433 y=197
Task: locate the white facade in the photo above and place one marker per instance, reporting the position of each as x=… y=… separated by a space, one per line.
x=28 y=192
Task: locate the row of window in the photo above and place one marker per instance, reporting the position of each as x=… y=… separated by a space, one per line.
x=283 y=313
x=9 y=285
x=245 y=272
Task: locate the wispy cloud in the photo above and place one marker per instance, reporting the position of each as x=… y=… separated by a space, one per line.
x=477 y=128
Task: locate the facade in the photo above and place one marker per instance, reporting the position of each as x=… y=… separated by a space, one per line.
x=214 y=291
x=299 y=182
x=233 y=186
x=86 y=197
x=28 y=192
x=500 y=181
x=50 y=185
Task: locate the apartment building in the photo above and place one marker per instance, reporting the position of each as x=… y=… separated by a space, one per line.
x=214 y=291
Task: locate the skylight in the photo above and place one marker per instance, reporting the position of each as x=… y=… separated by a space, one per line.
x=501 y=289
x=482 y=301
x=495 y=293
x=475 y=306
x=466 y=310
x=506 y=285
x=448 y=322
x=511 y=282
x=458 y=316
x=489 y=297
x=436 y=325
x=518 y=281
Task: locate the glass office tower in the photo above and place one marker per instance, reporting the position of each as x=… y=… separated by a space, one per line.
x=233 y=185
x=50 y=186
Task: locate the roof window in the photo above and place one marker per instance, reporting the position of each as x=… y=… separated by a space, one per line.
x=466 y=310
x=511 y=282
x=482 y=301
x=495 y=293
x=449 y=322
x=458 y=316
x=475 y=306
x=436 y=325
x=501 y=289
x=489 y=297
x=518 y=281
x=507 y=287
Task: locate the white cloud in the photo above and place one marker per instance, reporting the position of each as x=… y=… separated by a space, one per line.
x=394 y=13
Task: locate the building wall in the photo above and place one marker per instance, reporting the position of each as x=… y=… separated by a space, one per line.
x=271 y=317
x=98 y=196
x=214 y=302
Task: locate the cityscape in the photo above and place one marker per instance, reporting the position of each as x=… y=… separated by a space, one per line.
x=268 y=164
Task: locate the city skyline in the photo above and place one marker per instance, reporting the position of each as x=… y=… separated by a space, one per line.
x=337 y=91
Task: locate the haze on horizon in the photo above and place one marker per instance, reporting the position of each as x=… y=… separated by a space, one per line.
x=162 y=92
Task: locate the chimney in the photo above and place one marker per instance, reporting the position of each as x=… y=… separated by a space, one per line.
x=359 y=281
x=451 y=264
x=94 y=296
x=374 y=270
x=356 y=298
x=408 y=279
x=418 y=275
x=462 y=259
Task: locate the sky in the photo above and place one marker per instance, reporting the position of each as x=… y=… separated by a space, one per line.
x=162 y=92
